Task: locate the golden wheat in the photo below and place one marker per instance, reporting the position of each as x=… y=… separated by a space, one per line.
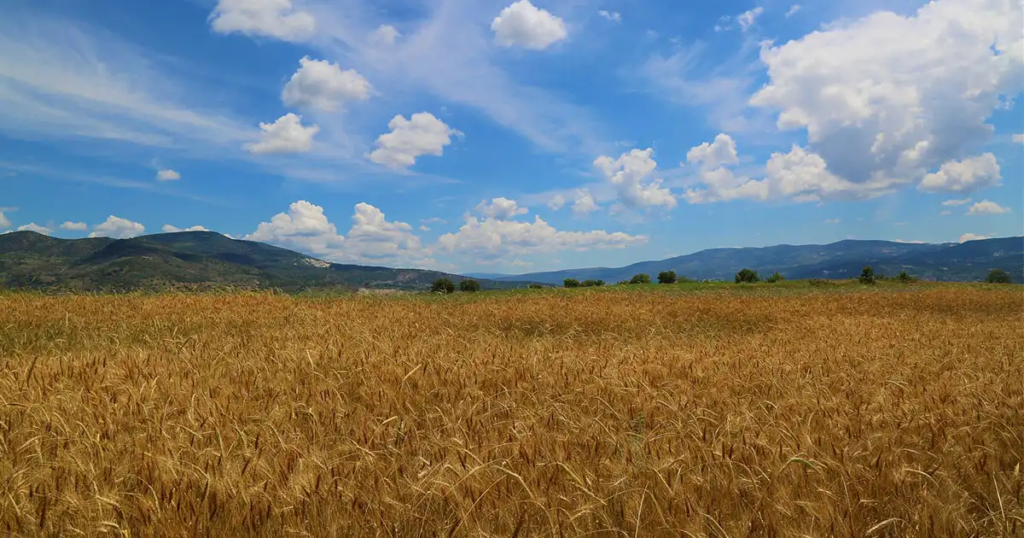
x=896 y=413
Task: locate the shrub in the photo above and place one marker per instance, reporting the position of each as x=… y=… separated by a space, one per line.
x=536 y=287
x=775 y=277
x=820 y=282
x=667 y=277
x=747 y=275
x=622 y=283
x=640 y=279
x=999 y=276
x=867 y=276
x=571 y=283
x=469 y=285
x=592 y=283
x=904 y=277
x=442 y=285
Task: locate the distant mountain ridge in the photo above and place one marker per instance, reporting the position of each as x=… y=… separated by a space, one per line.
x=970 y=261
x=207 y=260
x=188 y=260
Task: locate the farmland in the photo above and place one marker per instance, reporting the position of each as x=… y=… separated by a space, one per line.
x=643 y=411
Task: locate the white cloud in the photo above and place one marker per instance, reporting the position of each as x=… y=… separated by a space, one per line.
x=556 y=202
x=720 y=152
x=613 y=16
x=4 y=221
x=500 y=209
x=832 y=221
x=950 y=203
x=434 y=220
x=491 y=238
x=747 y=18
x=971 y=237
x=322 y=85
x=888 y=96
x=167 y=175
x=33 y=227
x=964 y=176
x=584 y=203
x=74 y=226
x=945 y=213
x=424 y=228
x=372 y=238
x=117 y=228
x=286 y=135
x=423 y=134
x=911 y=242
x=169 y=229
x=523 y=25
x=799 y=175
x=61 y=80
x=386 y=35
x=1018 y=138
x=269 y=18
x=986 y=207
x=629 y=174
x=793 y=9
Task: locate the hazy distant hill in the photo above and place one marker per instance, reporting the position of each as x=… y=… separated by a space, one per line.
x=187 y=260
x=970 y=261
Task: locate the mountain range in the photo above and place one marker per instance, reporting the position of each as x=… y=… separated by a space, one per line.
x=969 y=261
x=189 y=261
x=208 y=260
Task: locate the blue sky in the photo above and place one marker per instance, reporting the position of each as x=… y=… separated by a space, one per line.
x=500 y=136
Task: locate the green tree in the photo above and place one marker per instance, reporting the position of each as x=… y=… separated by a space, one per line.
x=469 y=285
x=592 y=283
x=748 y=276
x=442 y=285
x=640 y=279
x=867 y=275
x=571 y=283
x=667 y=277
x=999 y=276
x=904 y=277
x=775 y=277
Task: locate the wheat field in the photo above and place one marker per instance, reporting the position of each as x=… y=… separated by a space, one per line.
x=890 y=412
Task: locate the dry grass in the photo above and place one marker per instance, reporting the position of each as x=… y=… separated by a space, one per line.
x=548 y=413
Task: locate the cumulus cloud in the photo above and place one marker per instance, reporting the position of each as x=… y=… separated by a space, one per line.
x=74 y=226
x=613 y=16
x=423 y=134
x=971 y=237
x=793 y=9
x=800 y=175
x=986 y=207
x=33 y=227
x=167 y=175
x=950 y=203
x=630 y=173
x=964 y=176
x=117 y=228
x=500 y=209
x=524 y=25
x=286 y=135
x=892 y=96
x=170 y=229
x=556 y=202
x=492 y=238
x=267 y=18
x=747 y=18
x=4 y=221
x=386 y=35
x=584 y=203
x=372 y=238
x=718 y=153
x=1018 y=138
x=322 y=85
